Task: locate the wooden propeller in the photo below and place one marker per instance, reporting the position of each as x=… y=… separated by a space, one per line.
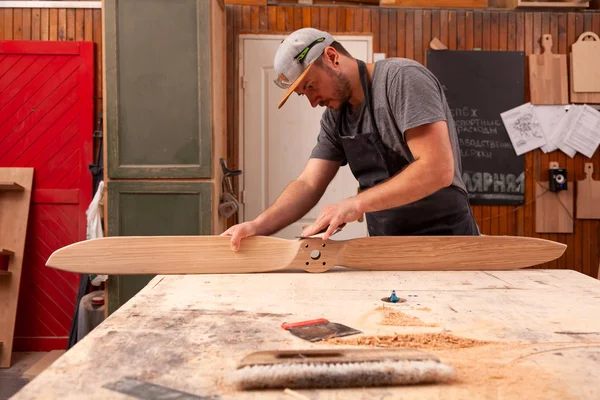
x=164 y=255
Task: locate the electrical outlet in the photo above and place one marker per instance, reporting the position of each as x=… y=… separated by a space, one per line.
x=378 y=56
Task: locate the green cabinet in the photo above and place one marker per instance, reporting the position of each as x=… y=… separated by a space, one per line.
x=165 y=122
x=158 y=97
x=154 y=209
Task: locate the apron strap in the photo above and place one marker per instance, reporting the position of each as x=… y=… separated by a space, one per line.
x=362 y=69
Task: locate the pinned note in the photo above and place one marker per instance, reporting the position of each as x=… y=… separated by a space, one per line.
x=557 y=138
x=584 y=133
x=549 y=117
x=523 y=128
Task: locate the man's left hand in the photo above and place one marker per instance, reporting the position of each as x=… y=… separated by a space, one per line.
x=333 y=215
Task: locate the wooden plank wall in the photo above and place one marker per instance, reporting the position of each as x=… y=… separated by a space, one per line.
x=58 y=24
x=406 y=32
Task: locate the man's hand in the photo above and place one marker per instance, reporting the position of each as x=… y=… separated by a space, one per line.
x=334 y=215
x=240 y=231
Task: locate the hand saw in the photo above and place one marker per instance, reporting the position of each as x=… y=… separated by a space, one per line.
x=163 y=255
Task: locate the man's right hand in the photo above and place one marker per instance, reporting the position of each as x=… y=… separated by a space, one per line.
x=240 y=231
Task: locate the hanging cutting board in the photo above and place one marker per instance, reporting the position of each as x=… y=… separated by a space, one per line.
x=548 y=75
x=586 y=63
x=588 y=195
x=581 y=97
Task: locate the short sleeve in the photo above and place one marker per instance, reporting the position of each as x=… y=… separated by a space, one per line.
x=328 y=145
x=416 y=98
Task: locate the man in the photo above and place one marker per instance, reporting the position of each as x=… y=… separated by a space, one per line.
x=390 y=122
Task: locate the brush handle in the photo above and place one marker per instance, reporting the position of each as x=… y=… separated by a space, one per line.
x=333 y=356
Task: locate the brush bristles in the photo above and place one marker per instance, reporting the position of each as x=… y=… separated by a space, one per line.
x=362 y=374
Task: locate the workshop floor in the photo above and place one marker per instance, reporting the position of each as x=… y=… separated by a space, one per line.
x=11 y=379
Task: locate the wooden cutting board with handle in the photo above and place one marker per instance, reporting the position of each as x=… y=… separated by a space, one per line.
x=585 y=53
x=588 y=195
x=548 y=75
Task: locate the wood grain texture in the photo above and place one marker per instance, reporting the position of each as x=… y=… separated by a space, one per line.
x=131 y=255
x=554 y=211
x=586 y=59
x=14 y=217
x=414 y=29
x=134 y=255
x=548 y=77
x=574 y=63
x=189 y=333
x=588 y=196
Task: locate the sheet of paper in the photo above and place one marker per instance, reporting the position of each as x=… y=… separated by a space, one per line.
x=549 y=117
x=523 y=128
x=584 y=133
x=560 y=131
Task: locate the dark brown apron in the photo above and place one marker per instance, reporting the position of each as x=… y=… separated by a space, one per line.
x=445 y=212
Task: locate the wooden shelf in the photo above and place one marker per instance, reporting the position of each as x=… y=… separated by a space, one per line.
x=435 y=3
x=10 y=186
x=13 y=231
x=550 y=4
x=4 y=252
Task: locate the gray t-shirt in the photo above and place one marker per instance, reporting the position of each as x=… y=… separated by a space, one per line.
x=404 y=94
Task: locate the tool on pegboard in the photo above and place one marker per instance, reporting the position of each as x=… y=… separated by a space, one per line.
x=229 y=204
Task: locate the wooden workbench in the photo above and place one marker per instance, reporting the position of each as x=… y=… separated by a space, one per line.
x=188 y=332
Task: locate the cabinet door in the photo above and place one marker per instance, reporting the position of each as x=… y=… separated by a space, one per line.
x=158 y=88
x=154 y=209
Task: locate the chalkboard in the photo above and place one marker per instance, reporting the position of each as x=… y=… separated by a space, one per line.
x=479 y=85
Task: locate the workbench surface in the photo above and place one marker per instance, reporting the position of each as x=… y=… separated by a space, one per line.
x=541 y=333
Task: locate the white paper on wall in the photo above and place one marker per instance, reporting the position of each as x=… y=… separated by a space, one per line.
x=584 y=132
x=549 y=117
x=523 y=128
x=560 y=131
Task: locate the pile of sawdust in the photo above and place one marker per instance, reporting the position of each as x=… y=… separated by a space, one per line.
x=486 y=373
x=431 y=341
x=397 y=318
x=484 y=370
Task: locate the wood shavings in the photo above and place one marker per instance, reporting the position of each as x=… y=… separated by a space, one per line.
x=484 y=368
x=431 y=341
x=484 y=373
x=398 y=318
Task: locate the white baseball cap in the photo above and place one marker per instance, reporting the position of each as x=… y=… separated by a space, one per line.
x=295 y=55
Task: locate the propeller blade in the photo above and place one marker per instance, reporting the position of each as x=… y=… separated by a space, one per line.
x=164 y=255
x=447 y=252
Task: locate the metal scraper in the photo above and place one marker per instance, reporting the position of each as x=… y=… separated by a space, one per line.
x=318 y=329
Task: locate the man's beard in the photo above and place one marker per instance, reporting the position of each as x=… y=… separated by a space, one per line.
x=342 y=91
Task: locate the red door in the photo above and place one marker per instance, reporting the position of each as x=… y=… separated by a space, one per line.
x=46 y=122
